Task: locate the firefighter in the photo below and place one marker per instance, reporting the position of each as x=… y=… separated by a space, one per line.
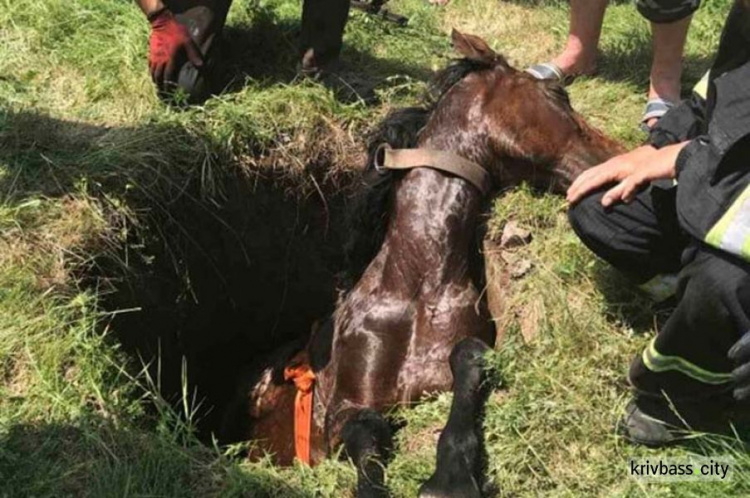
x=184 y=45
x=677 y=211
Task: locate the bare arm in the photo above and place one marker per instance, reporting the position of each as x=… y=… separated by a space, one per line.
x=150 y=6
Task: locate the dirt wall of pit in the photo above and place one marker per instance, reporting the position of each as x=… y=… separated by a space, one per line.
x=220 y=286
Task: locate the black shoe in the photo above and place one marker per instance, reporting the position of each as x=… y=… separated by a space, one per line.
x=654 y=423
x=638 y=428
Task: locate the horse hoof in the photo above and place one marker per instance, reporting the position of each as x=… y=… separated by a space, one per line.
x=368 y=442
x=467 y=488
x=467 y=362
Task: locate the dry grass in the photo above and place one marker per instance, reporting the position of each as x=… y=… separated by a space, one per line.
x=510 y=27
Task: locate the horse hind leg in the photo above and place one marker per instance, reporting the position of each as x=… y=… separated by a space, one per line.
x=367 y=439
x=460 y=455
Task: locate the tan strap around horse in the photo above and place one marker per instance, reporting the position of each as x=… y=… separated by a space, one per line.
x=387 y=158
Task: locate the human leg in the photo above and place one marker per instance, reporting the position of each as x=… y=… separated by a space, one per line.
x=323 y=23
x=580 y=52
x=670 y=20
x=683 y=376
x=641 y=239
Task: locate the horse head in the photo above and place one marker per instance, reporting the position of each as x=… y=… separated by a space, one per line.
x=518 y=127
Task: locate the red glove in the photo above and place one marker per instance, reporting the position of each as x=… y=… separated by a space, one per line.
x=169 y=39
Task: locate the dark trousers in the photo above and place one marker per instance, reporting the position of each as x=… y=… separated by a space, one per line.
x=323 y=23
x=687 y=361
x=666 y=11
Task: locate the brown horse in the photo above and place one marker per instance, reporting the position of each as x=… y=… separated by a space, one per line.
x=393 y=337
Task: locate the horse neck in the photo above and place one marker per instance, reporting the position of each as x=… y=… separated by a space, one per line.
x=584 y=150
x=432 y=226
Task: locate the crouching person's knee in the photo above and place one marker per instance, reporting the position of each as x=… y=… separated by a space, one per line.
x=586 y=219
x=719 y=283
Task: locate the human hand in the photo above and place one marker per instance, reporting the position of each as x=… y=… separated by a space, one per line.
x=169 y=40
x=631 y=171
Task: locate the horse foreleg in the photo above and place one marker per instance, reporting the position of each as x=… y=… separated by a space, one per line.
x=460 y=450
x=367 y=440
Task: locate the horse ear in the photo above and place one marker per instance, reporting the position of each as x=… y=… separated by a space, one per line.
x=473 y=48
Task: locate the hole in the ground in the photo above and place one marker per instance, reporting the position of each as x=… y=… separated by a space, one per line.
x=222 y=286
x=225 y=260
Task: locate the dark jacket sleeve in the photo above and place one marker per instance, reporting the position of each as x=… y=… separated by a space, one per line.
x=683 y=122
x=714 y=169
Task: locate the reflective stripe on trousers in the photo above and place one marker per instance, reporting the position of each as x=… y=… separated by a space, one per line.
x=657 y=362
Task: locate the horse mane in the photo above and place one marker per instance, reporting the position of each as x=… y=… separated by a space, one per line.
x=368 y=215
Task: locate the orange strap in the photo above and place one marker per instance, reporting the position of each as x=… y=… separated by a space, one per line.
x=304 y=379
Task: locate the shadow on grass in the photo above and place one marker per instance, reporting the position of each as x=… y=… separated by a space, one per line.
x=633 y=66
x=553 y=3
x=268 y=53
x=625 y=303
x=96 y=459
x=218 y=265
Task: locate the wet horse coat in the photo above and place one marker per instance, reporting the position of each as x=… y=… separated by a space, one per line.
x=415 y=250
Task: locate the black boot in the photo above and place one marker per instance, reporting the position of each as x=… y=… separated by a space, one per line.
x=654 y=423
x=204 y=20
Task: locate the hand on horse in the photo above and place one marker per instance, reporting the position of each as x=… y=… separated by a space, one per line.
x=630 y=171
x=168 y=42
x=739 y=354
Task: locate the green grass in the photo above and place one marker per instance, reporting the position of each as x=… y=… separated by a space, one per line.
x=89 y=159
